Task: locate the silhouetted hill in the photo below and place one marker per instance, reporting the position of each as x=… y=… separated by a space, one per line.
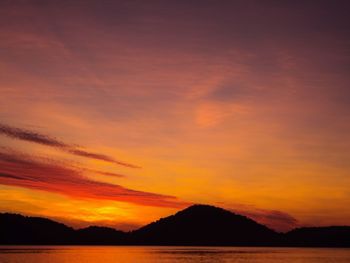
x=96 y=235
x=333 y=236
x=205 y=225
x=196 y=225
x=18 y=229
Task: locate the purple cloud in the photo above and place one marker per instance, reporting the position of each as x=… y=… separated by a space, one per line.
x=35 y=137
x=23 y=171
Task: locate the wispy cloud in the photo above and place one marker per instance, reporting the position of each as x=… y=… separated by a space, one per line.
x=278 y=220
x=31 y=136
x=24 y=171
x=43 y=139
x=102 y=172
x=275 y=219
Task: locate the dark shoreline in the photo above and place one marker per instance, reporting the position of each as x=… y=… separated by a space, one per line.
x=198 y=225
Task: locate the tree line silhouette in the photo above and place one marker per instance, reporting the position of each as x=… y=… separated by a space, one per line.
x=196 y=225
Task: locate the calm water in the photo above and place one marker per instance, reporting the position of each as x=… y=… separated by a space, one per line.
x=108 y=254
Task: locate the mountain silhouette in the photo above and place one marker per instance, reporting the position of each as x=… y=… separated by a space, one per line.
x=96 y=235
x=333 y=236
x=205 y=225
x=18 y=229
x=196 y=225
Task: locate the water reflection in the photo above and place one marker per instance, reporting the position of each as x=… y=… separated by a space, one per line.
x=121 y=254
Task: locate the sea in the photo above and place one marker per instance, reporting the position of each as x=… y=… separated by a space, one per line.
x=147 y=254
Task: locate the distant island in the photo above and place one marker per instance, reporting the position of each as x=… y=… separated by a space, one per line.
x=197 y=225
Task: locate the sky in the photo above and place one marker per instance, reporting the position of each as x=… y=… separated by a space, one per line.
x=118 y=113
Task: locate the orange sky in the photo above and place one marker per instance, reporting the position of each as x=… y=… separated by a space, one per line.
x=118 y=113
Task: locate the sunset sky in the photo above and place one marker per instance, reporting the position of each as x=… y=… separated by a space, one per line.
x=118 y=113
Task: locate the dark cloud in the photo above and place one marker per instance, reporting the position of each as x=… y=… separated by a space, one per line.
x=10 y=176
x=23 y=171
x=102 y=157
x=274 y=219
x=31 y=136
x=103 y=172
x=23 y=161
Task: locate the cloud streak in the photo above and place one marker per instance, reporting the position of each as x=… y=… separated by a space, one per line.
x=35 y=137
x=30 y=136
x=23 y=171
x=103 y=172
x=275 y=219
